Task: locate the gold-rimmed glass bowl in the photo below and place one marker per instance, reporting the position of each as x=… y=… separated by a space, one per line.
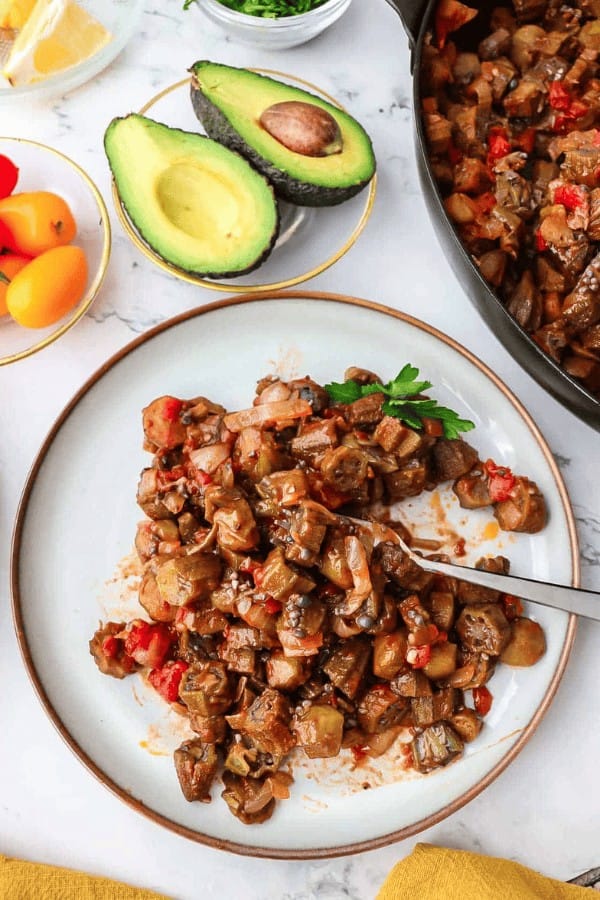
x=119 y=17
x=43 y=168
x=273 y=34
x=310 y=240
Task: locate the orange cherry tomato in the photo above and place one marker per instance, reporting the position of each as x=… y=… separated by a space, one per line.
x=36 y=221
x=9 y=266
x=48 y=287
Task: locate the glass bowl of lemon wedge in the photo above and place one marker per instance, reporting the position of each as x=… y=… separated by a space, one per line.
x=50 y=47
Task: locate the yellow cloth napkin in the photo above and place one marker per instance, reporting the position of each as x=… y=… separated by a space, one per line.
x=436 y=873
x=20 y=880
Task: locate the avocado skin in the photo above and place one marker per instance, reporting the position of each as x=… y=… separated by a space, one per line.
x=302 y=193
x=140 y=228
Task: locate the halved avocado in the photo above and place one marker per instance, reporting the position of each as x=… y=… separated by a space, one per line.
x=245 y=110
x=200 y=206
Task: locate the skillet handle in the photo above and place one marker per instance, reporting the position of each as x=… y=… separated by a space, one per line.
x=411 y=14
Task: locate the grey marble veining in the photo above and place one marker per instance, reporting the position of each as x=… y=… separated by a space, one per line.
x=544 y=810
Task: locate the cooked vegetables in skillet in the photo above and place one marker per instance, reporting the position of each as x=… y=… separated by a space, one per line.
x=513 y=127
x=273 y=624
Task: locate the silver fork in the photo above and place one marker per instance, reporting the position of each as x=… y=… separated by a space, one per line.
x=558 y=596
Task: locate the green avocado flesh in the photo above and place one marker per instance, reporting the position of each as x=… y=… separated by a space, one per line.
x=197 y=204
x=229 y=103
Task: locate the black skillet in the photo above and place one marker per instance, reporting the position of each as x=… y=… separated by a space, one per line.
x=416 y=16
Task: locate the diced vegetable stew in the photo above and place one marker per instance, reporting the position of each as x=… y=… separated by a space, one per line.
x=513 y=130
x=271 y=623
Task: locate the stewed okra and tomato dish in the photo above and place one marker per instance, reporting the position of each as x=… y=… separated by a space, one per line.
x=272 y=622
x=512 y=121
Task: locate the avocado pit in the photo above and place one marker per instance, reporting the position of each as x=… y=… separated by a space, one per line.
x=303 y=128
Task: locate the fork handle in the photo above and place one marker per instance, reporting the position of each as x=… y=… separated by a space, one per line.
x=558 y=596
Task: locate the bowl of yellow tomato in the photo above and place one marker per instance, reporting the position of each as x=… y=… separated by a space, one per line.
x=54 y=246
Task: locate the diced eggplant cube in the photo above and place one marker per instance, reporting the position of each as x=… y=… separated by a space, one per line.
x=435 y=746
x=185 y=579
x=319 y=730
x=205 y=688
x=196 y=766
x=346 y=665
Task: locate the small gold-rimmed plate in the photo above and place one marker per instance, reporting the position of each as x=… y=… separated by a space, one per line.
x=42 y=168
x=310 y=239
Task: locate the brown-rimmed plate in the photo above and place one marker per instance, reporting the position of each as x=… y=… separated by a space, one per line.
x=82 y=491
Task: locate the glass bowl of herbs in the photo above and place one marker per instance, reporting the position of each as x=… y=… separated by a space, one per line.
x=272 y=24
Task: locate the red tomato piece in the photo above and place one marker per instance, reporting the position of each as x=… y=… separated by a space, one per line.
x=513 y=608
x=167 y=678
x=540 y=242
x=359 y=752
x=498 y=144
x=111 y=646
x=570 y=196
x=575 y=111
x=459 y=548
x=272 y=606
x=454 y=154
x=9 y=175
x=149 y=644
x=165 y=477
x=559 y=95
x=418 y=657
x=482 y=700
x=172 y=408
x=501 y=481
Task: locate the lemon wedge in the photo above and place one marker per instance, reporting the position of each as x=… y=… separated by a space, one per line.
x=14 y=13
x=57 y=35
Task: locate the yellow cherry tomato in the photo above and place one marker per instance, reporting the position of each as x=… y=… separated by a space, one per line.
x=48 y=287
x=36 y=221
x=10 y=264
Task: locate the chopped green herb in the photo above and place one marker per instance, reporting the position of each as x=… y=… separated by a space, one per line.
x=404 y=401
x=268 y=9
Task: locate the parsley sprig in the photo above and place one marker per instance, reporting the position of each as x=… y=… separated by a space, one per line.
x=403 y=401
x=268 y=9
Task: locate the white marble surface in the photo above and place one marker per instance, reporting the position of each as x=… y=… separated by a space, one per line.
x=544 y=810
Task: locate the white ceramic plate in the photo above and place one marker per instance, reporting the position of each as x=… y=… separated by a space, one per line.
x=82 y=488
x=42 y=168
x=120 y=17
x=311 y=239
